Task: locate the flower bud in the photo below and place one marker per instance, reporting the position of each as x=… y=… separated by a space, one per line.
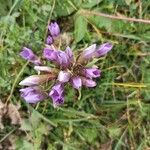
x=28 y=54
x=103 y=49
x=49 y=40
x=54 y=29
x=36 y=79
x=88 y=82
x=64 y=76
x=76 y=82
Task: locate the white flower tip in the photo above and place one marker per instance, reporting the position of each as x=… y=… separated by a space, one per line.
x=42 y=68
x=89 y=51
x=21 y=83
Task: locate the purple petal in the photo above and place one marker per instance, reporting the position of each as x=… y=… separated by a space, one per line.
x=36 y=79
x=57 y=94
x=50 y=54
x=28 y=54
x=57 y=56
x=91 y=72
x=76 y=82
x=88 y=82
x=103 y=49
x=63 y=59
x=49 y=40
x=88 y=53
x=33 y=94
x=64 y=76
x=54 y=29
x=69 y=53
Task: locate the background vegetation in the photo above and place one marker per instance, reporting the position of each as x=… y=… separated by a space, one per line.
x=115 y=114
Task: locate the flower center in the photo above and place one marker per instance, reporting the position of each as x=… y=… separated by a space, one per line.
x=77 y=69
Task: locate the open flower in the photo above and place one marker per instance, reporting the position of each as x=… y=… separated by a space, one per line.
x=64 y=76
x=28 y=54
x=33 y=94
x=88 y=82
x=91 y=72
x=57 y=94
x=68 y=69
x=76 y=82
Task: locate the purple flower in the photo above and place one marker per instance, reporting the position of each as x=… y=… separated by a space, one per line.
x=88 y=82
x=36 y=79
x=54 y=29
x=57 y=94
x=33 y=94
x=91 y=72
x=64 y=76
x=76 y=82
x=103 y=49
x=28 y=54
x=50 y=54
x=70 y=54
x=49 y=40
x=58 y=56
x=88 y=53
x=63 y=59
x=68 y=68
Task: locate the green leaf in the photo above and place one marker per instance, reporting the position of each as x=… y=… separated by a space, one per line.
x=22 y=144
x=35 y=119
x=128 y=2
x=114 y=132
x=101 y=22
x=90 y=3
x=89 y=134
x=80 y=28
x=66 y=7
x=26 y=125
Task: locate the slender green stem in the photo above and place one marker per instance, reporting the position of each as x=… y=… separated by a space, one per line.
x=50 y=15
x=1 y=140
x=16 y=81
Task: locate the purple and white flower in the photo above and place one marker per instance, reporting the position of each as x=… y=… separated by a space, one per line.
x=64 y=76
x=50 y=54
x=36 y=79
x=69 y=53
x=103 y=49
x=28 y=54
x=88 y=82
x=76 y=82
x=89 y=52
x=57 y=94
x=91 y=73
x=33 y=94
x=68 y=69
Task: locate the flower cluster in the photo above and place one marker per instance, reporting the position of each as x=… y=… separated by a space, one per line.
x=68 y=69
x=54 y=32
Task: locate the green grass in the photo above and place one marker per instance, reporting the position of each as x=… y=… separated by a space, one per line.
x=115 y=114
